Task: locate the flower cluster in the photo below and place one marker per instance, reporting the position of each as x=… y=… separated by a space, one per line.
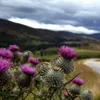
x=46 y=78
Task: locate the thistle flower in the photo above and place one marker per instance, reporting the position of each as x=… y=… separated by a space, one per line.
x=17 y=72
x=74 y=89
x=42 y=68
x=65 y=64
x=86 y=95
x=20 y=53
x=5 y=77
x=78 y=81
x=23 y=80
x=33 y=60
x=13 y=48
x=67 y=52
x=25 y=56
x=54 y=78
x=4 y=65
x=15 y=92
x=5 y=53
x=17 y=56
x=65 y=94
x=28 y=69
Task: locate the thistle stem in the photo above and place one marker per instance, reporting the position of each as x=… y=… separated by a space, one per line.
x=71 y=79
x=28 y=94
x=54 y=89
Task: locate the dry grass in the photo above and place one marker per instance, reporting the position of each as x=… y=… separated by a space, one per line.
x=98 y=60
x=92 y=79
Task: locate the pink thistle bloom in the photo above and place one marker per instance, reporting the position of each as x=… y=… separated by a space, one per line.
x=5 y=53
x=4 y=65
x=28 y=69
x=13 y=48
x=20 y=53
x=78 y=81
x=33 y=60
x=67 y=52
x=65 y=94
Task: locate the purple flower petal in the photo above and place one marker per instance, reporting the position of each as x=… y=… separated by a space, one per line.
x=5 y=53
x=78 y=81
x=65 y=94
x=33 y=60
x=67 y=52
x=13 y=48
x=4 y=65
x=28 y=69
x=20 y=53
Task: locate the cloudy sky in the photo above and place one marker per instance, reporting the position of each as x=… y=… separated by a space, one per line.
x=80 y=16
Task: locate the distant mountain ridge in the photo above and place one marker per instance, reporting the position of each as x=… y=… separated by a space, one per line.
x=95 y=35
x=27 y=37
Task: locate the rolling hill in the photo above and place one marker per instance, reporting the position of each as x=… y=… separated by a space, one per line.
x=96 y=35
x=31 y=38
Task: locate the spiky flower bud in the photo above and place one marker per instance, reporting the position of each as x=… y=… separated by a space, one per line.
x=78 y=81
x=86 y=95
x=23 y=80
x=18 y=55
x=43 y=68
x=15 y=92
x=17 y=72
x=65 y=94
x=75 y=89
x=5 y=77
x=25 y=56
x=54 y=78
x=66 y=65
x=37 y=80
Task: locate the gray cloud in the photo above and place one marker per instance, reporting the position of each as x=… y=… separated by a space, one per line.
x=70 y=12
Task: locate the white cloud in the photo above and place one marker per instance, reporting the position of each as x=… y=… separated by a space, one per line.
x=58 y=12
x=56 y=27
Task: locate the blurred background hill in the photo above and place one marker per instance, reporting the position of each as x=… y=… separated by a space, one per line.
x=34 y=39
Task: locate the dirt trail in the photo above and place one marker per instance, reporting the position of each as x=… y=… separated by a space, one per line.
x=94 y=63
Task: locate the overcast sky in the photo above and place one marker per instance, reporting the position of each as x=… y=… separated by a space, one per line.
x=80 y=16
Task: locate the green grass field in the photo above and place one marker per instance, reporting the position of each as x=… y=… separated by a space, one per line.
x=82 y=54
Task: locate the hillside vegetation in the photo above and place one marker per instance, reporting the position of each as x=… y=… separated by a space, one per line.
x=34 y=39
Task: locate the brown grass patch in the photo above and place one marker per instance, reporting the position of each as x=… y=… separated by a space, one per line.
x=91 y=78
x=98 y=60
